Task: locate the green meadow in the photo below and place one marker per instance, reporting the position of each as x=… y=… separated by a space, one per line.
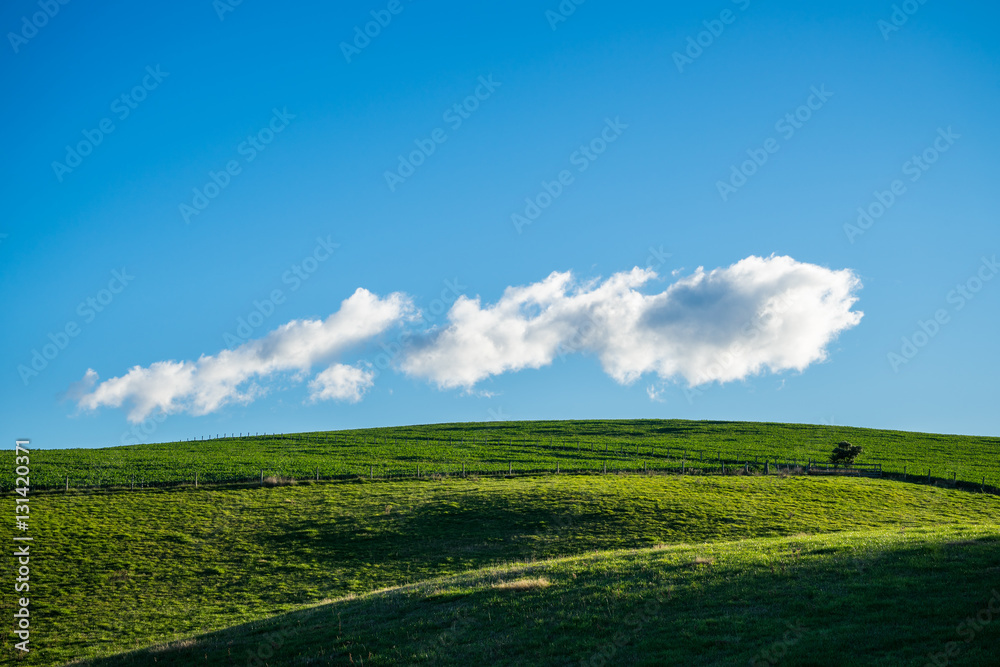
x=555 y=569
x=497 y=446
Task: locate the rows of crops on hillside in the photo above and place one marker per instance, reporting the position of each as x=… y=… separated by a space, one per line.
x=494 y=447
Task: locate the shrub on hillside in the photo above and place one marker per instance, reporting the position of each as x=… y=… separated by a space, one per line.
x=845 y=453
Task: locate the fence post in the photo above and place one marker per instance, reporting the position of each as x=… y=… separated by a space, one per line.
x=463 y=468
x=371 y=472
x=196 y=479
x=262 y=477
x=904 y=473
x=510 y=467
x=683 y=461
x=605 y=467
x=67 y=482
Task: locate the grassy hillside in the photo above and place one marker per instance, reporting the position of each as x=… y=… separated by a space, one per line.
x=122 y=570
x=886 y=598
x=495 y=445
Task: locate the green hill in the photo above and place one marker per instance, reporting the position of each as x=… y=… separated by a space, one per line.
x=496 y=446
x=544 y=569
x=128 y=569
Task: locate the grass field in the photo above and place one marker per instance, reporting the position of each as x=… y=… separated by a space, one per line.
x=585 y=569
x=496 y=445
x=124 y=570
x=870 y=597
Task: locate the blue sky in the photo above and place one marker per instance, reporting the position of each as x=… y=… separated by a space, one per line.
x=167 y=166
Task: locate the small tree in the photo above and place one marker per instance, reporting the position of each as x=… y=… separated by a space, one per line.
x=845 y=453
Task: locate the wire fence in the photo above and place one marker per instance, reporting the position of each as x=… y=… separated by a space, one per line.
x=161 y=477
x=354 y=457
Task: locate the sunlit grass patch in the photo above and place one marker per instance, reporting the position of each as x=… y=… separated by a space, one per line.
x=526 y=584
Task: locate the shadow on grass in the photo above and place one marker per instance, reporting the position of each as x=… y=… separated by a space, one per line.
x=861 y=598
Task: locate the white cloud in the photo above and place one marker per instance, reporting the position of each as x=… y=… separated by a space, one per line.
x=232 y=376
x=341 y=382
x=760 y=314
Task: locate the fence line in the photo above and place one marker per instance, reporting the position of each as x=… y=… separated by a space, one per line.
x=424 y=470
x=141 y=475
x=586 y=456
